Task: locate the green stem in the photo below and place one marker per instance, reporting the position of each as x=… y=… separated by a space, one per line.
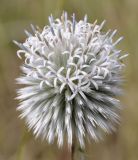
x=81 y=153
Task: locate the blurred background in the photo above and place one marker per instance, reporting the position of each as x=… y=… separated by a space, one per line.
x=16 y=143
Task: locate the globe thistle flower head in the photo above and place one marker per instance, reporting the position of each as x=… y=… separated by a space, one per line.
x=71 y=77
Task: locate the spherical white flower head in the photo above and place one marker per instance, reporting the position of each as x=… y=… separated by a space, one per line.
x=71 y=78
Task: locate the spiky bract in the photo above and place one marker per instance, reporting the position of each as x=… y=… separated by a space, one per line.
x=71 y=78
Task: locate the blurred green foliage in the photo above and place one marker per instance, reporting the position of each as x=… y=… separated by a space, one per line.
x=15 y=16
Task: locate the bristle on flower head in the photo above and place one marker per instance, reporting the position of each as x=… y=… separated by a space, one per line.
x=72 y=77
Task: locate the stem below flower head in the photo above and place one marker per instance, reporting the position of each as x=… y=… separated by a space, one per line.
x=80 y=152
